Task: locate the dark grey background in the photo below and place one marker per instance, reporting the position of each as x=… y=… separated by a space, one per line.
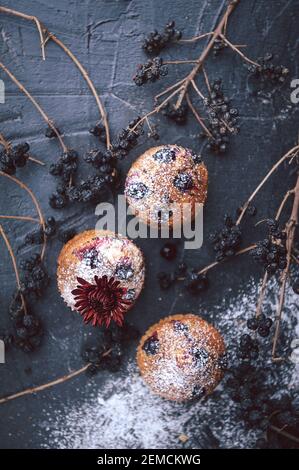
x=106 y=37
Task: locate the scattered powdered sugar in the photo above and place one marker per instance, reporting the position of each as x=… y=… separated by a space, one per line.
x=124 y=414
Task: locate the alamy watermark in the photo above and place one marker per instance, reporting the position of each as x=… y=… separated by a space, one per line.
x=2 y=92
x=295 y=93
x=2 y=352
x=176 y=220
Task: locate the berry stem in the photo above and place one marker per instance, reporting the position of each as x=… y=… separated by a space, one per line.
x=235 y=48
x=290 y=231
x=7 y=147
x=215 y=263
x=30 y=18
x=284 y=433
x=60 y=380
x=290 y=154
x=197 y=116
x=19 y=217
x=35 y=202
x=45 y=33
x=205 y=52
x=195 y=38
x=39 y=388
x=15 y=266
x=35 y=103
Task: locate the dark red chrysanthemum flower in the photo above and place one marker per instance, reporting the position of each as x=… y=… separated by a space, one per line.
x=102 y=302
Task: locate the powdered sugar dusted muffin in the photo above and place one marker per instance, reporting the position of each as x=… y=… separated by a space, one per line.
x=100 y=274
x=161 y=180
x=182 y=357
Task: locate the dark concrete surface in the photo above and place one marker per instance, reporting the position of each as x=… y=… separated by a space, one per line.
x=106 y=36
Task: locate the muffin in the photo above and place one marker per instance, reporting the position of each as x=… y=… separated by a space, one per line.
x=100 y=274
x=182 y=357
x=162 y=180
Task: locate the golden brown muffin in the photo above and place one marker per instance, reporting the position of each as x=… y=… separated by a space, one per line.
x=182 y=357
x=161 y=180
x=100 y=274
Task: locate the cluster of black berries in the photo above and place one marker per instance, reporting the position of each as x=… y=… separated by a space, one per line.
x=51 y=229
x=65 y=169
x=104 y=162
x=178 y=115
x=271 y=252
x=260 y=405
x=37 y=236
x=34 y=279
x=266 y=71
x=127 y=139
x=89 y=190
x=28 y=330
x=227 y=240
x=222 y=119
x=151 y=71
x=261 y=324
x=248 y=348
x=194 y=282
x=156 y=41
x=99 y=131
x=66 y=166
x=105 y=348
x=14 y=157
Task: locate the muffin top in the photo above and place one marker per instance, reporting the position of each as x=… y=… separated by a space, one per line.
x=163 y=176
x=182 y=357
x=100 y=254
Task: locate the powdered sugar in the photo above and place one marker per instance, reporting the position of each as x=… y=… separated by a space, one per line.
x=124 y=414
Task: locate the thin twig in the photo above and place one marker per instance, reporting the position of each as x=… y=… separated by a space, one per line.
x=15 y=266
x=235 y=48
x=35 y=103
x=205 y=53
x=215 y=263
x=30 y=18
x=197 y=90
x=197 y=116
x=283 y=203
x=60 y=380
x=289 y=154
x=39 y=388
x=44 y=32
x=35 y=202
x=20 y=217
x=261 y=295
x=290 y=232
x=284 y=433
x=178 y=62
x=195 y=38
x=155 y=110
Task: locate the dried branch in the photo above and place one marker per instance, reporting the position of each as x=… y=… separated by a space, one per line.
x=45 y=33
x=20 y=217
x=35 y=202
x=235 y=48
x=15 y=266
x=35 y=103
x=290 y=231
x=197 y=116
x=290 y=154
x=39 y=388
x=205 y=52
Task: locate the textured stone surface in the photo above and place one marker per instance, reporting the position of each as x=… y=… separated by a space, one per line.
x=106 y=37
